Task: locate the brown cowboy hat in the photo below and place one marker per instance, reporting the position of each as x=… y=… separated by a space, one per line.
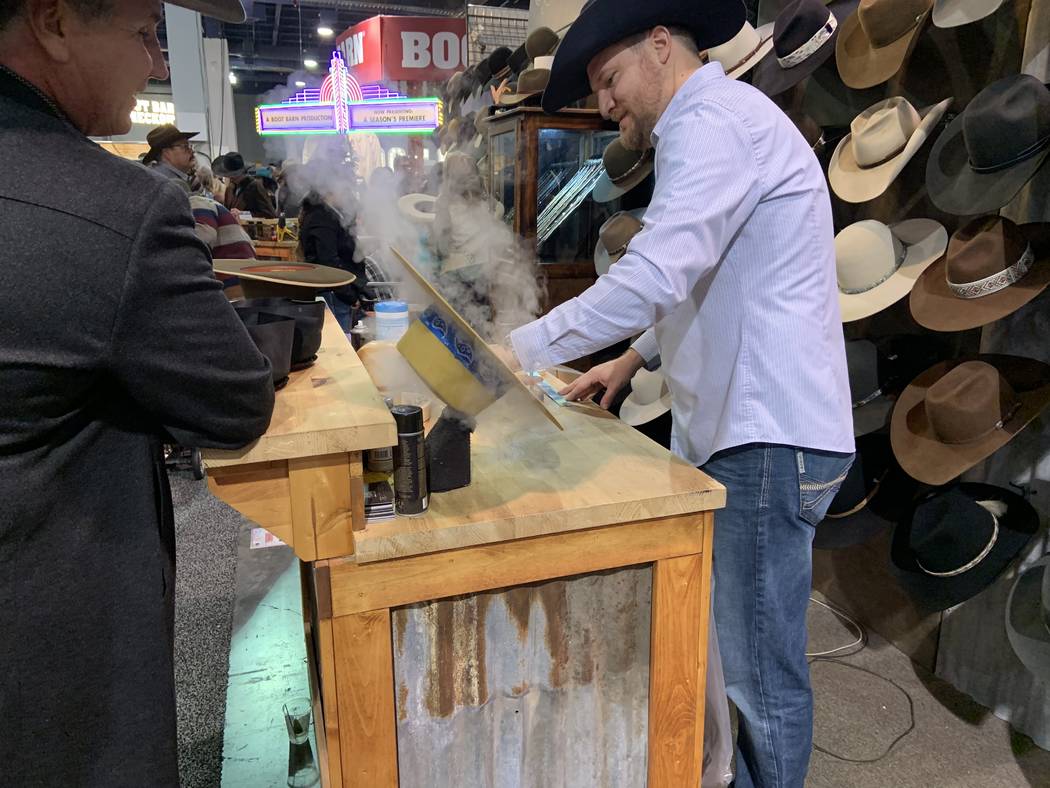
x=615 y=236
x=875 y=41
x=623 y=169
x=530 y=85
x=164 y=137
x=992 y=269
x=958 y=413
x=267 y=278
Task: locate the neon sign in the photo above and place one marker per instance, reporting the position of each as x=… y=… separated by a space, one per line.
x=342 y=106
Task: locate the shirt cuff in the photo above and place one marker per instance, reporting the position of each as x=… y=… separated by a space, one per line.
x=647 y=347
x=530 y=346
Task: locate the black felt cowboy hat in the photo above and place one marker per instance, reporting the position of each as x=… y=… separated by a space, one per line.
x=603 y=23
x=804 y=36
x=992 y=149
x=956 y=542
x=309 y=322
x=274 y=335
x=229 y=165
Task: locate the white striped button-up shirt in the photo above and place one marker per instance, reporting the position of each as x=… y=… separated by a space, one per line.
x=735 y=270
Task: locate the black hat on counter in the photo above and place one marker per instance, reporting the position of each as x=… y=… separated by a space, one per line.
x=274 y=335
x=309 y=322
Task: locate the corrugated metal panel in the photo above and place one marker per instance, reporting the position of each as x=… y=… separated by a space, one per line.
x=544 y=686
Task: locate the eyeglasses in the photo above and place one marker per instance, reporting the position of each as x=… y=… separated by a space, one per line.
x=182 y=146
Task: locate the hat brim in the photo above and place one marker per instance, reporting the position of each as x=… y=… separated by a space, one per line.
x=153 y=154
x=773 y=79
x=956 y=188
x=1025 y=628
x=596 y=29
x=935 y=306
x=409 y=207
x=925 y=241
x=894 y=495
x=861 y=64
x=225 y=10
x=1016 y=528
x=307 y=275
x=931 y=461
x=854 y=183
x=607 y=191
x=222 y=172
x=765 y=36
x=955 y=13
x=514 y=99
x=636 y=415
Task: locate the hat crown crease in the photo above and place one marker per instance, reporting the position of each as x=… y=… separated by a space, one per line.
x=883 y=131
x=887 y=21
x=969 y=402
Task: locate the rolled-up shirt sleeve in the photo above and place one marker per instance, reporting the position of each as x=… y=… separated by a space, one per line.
x=706 y=188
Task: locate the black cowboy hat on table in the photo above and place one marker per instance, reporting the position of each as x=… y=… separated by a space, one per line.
x=274 y=335
x=958 y=540
x=309 y=322
x=603 y=23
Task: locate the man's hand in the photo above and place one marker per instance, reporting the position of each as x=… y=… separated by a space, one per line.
x=612 y=376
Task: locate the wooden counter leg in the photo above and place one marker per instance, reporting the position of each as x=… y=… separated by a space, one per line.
x=678 y=667
x=365 y=677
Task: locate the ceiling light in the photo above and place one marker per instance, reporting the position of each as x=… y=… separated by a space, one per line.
x=300 y=84
x=233 y=78
x=325 y=32
x=310 y=62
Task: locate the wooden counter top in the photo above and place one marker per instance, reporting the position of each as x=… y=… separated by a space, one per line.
x=329 y=408
x=529 y=479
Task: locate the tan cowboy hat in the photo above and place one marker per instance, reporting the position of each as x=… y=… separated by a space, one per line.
x=882 y=140
x=531 y=84
x=614 y=236
x=877 y=265
x=225 y=10
x=418 y=208
x=955 y=13
x=957 y=413
x=649 y=398
x=743 y=51
x=623 y=169
x=991 y=270
x=875 y=41
x=272 y=278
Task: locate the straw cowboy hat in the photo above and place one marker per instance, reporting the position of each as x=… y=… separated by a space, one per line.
x=1028 y=618
x=875 y=41
x=882 y=140
x=992 y=148
x=225 y=10
x=804 y=35
x=956 y=542
x=957 y=413
x=955 y=13
x=991 y=270
x=649 y=398
x=418 y=208
x=622 y=170
x=743 y=51
x=877 y=265
x=603 y=23
x=614 y=237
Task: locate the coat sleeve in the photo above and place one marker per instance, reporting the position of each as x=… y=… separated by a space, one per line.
x=177 y=346
x=261 y=204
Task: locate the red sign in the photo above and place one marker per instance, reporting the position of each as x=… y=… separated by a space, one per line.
x=405 y=48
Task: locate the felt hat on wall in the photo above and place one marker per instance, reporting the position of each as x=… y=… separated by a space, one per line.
x=741 y=53
x=876 y=39
x=804 y=36
x=622 y=170
x=614 y=236
x=955 y=13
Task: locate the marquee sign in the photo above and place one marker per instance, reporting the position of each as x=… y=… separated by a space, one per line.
x=341 y=107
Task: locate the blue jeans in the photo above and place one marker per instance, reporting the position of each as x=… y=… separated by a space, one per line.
x=762 y=576
x=343 y=312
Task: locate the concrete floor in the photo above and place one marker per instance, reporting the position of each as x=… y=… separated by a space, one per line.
x=255 y=618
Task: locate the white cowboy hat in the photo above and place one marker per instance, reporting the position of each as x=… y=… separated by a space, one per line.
x=743 y=51
x=418 y=207
x=882 y=140
x=955 y=13
x=878 y=265
x=649 y=399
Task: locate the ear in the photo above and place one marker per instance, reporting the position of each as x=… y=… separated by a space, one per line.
x=661 y=40
x=50 y=22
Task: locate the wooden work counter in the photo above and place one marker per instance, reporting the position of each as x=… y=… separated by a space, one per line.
x=543 y=504
x=275 y=250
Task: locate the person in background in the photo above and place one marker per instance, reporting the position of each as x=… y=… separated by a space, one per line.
x=325 y=240
x=244 y=192
x=170 y=154
x=115 y=339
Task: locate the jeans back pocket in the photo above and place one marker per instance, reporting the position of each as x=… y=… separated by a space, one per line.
x=820 y=474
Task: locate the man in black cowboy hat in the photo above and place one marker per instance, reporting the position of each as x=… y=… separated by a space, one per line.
x=170 y=153
x=733 y=281
x=115 y=339
x=245 y=192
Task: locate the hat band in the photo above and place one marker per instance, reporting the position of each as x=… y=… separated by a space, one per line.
x=901 y=256
x=886 y=160
x=1016 y=406
x=805 y=51
x=863 y=502
x=997 y=281
x=740 y=63
x=642 y=160
x=980 y=557
x=1027 y=153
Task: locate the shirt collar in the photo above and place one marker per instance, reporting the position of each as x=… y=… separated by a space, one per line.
x=171 y=172
x=691 y=86
x=20 y=90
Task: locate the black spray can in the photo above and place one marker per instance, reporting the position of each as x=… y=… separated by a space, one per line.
x=410 y=461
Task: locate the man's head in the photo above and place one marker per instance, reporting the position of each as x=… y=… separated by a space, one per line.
x=89 y=56
x=168 y=144
x=180 y=156
x=636 y=79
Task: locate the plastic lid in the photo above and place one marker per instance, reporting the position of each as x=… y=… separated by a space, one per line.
x=391 y=306
x=408 y=418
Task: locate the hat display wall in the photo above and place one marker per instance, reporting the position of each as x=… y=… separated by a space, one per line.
x=649 y=398
x=596 y=29
x=1028 y=618
x=614 y=236
x=875 y=41
x=622 y=170
x=956 y=542
x=992 y=149
x=991 y=270
x=278 y=279
x=877 y=265
x=960 y=412
x=955 y=13
x=741 y=53
x=530 y=85
x=804 y=35
x=882 y=140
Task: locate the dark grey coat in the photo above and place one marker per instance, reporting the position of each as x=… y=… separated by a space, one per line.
x=114 y=337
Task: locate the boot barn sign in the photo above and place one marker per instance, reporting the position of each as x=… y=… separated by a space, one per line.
x=405 y=49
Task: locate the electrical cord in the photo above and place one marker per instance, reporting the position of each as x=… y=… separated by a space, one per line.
x=862 y=637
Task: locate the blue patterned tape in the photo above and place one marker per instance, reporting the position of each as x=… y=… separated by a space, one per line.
x=462 y=349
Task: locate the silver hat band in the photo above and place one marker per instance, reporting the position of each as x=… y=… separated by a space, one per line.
x=980 y=557
x=902 y=254
x=810 y=47
x=997 y=281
